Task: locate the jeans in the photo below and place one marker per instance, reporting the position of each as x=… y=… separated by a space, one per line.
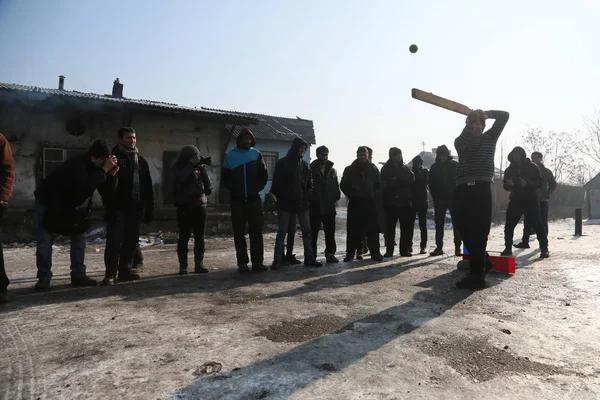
x=251 y=213
x=473 y=217
x=531 y=209
x=328 y=222
x=527 y=225
x=122 y=238
x=43 y=253
x=440 y=222
x=191 y=220
x=406 y=217
x=284 y=223
x=361 y=222
x=421 y=213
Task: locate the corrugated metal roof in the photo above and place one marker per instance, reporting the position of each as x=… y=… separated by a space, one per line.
x=271 y=127
x=149 y=104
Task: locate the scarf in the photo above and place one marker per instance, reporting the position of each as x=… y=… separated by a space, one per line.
x=135 y=183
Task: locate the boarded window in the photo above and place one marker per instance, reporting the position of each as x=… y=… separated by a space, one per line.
x=53 y=157
x=169 y=158
x=270 y=158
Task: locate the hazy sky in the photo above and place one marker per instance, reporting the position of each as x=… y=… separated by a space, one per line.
x=343 y=64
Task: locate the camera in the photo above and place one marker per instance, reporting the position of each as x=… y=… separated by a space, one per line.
x=199 y=160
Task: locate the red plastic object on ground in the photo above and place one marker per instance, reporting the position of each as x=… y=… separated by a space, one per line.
x=506 y=265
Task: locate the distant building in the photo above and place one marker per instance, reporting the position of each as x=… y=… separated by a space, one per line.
x=592 y=197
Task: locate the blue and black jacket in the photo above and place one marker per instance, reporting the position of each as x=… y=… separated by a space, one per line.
x=244 y=174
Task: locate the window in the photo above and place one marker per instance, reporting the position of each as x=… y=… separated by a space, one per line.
x=270 y=158
x=54 y=157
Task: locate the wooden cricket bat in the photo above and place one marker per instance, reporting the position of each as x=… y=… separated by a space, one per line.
x=440 y=102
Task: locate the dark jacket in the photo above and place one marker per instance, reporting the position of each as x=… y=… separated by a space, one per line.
x=191 y=186
x=361 y=180
x=72 y=183
x=121 y=198
x=292 y=181
x=397 y=182
x=244 y=174
x=420 y=196
x=442 y=177
x=326 y=189
x=7 y=173
x=548 y=183
x=526 y=170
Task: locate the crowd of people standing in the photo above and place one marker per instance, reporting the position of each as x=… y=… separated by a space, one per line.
x=302 y=193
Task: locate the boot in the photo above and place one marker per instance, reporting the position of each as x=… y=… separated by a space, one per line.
x=457 y=251
x=83 y=281
x=42 y=284
x=471 y=282
x=125 y=275
x=109 y=279
x=243 y=268
x=331 y=259
x=182 y=257
x=437 y=252
x=522 y=245
x=507 y=252
x=199 y=262
x=423 y=247
x=545 y=253
x=292 y=260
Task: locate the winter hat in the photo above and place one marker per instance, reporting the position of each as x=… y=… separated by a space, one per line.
x=244 y=132
x=442 y=150
x=517 y=150
x=369 y=150
x=417 y=161
x=99 y=149
x=394 y=151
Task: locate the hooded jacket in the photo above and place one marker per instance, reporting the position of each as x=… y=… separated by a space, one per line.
x=421 y=186
x=72 y=183
x=292 y=180
x=361 y=181
x=244 y=172
x=397 y=182
x=523 y=169
x=442 y=177
x=326 y=189
x=191 y=186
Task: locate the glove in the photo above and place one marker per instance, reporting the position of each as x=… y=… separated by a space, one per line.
x=148 y=215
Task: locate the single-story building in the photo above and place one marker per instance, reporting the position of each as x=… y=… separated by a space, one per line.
x=46 y=126
x=592 y=197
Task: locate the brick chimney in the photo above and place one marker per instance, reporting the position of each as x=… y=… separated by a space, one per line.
x=61 y=82
x=117 y=89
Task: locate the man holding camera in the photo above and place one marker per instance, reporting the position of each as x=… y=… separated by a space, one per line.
x=63 y=191
x=7 y=180
x=131 y=201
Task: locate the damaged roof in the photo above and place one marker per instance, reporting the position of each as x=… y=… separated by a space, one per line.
x=108 y=99
x=271 y=127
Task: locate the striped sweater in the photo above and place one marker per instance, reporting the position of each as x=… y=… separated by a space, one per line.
x=476 y=153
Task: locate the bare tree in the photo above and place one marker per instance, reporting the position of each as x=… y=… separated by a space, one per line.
x=590 y=137
x=558 y=148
